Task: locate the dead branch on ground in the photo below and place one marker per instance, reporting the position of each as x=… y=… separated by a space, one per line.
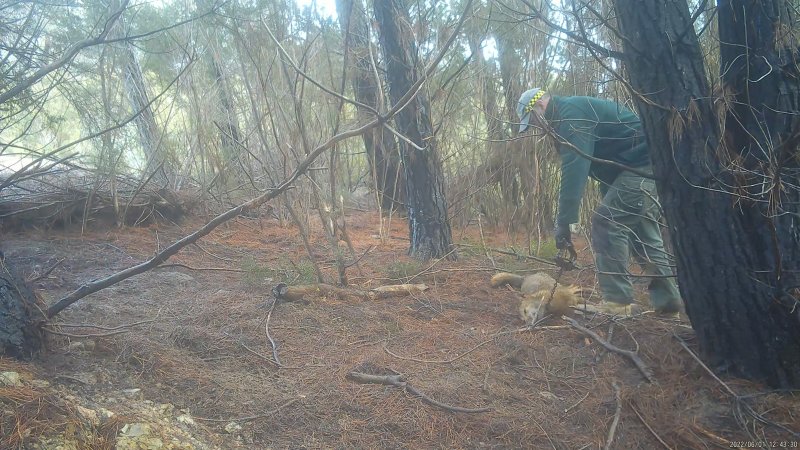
x=399 y=290
x=637 y=361
x=284 y=292
x=269 y=338
x=615 y=422
x=400 y=381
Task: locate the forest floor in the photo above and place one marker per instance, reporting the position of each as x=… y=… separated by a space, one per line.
x=194 y=367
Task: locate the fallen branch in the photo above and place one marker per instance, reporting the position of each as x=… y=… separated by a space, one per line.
x=269 y=338
x=399 y=290
x=637 y=361
x=615 y=422
x=400 y=381
x=284 y=292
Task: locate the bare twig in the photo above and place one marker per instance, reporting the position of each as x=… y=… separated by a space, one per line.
x=217 y=269
x=257 y=416
x=400 y=381
x=637 y=361
x=576 y=403
x=447 y=361
x=266 y=331
x=111 y=330
x=435 y=262
x=649 y=428
x=615 y=422
x=357 y=260
x=46 y=272
x=244 y=346
x=519 y=255
x=99 y=327
x=83 y=336
x=739 y=401
x=66 y=58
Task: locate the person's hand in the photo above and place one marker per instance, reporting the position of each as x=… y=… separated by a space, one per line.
x=563 y=237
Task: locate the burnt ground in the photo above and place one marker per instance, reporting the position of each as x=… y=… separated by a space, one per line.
x=198 y=348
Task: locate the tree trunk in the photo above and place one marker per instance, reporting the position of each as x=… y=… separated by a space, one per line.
x=136 y=91
x=729 y=193
x=234 y=157
x=20 y=319
x=427 y=207
x=380 y=144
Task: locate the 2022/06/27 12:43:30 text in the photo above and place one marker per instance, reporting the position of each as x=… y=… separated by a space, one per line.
x=762 y=444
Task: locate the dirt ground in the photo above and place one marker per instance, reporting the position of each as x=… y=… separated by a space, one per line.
x=193 y=367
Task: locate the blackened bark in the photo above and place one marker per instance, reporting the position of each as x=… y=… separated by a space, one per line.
x=427 y=207
x=380 y=144
x=20 y=319
x=730 y=194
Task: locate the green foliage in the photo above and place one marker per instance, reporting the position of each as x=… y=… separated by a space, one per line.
x=547 y=250
x=404 y=269
x=305 y=273
x=256 y=274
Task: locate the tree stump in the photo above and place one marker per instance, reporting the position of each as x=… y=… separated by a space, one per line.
x=20 y=319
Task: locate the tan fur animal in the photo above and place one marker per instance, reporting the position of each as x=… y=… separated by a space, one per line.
x=539 y=304
x=537 y=289
x=527 y=284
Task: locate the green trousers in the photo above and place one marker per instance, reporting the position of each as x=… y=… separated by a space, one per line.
x=624 y=225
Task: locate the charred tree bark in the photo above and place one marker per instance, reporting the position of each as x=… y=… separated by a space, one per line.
x=380 y=144
x=20 y=319
x=427 y=207
x=728 y=173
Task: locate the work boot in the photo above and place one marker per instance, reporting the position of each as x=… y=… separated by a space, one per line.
x=614 y=309
x=667 y=314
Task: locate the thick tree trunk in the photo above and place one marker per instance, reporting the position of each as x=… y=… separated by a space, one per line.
x=730 y=194
x=20 y=320
x=380 y=144
x=427 y=207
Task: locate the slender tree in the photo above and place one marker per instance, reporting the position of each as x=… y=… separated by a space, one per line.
x=427 y=207
x=380 y=144
x=728 y=173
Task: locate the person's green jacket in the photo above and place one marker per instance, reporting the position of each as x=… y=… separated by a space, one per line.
x=599 y=128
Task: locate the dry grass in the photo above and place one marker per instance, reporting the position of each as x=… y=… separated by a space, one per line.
x=208 y=352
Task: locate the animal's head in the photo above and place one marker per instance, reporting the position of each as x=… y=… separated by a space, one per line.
x=530 y=310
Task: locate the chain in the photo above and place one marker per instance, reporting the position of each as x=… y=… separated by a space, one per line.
x=553 y=291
